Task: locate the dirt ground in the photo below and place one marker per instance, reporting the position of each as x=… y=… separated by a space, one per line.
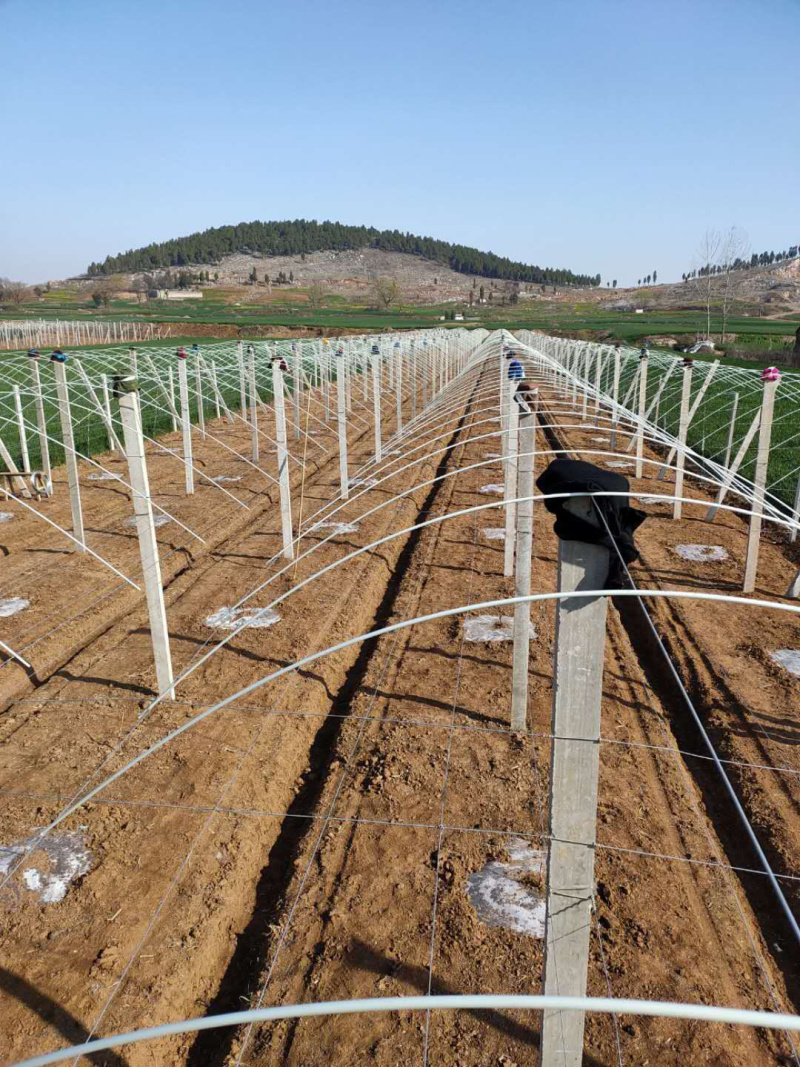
x=319 y=838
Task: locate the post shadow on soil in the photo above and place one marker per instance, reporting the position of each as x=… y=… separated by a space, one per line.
x=246 y=653
x=54 y=1015
x=365 y=958
x=91 y=679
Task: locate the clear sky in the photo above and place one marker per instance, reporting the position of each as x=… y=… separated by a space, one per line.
x=600 y=135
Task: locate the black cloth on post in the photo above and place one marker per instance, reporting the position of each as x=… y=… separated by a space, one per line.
x=578 y=476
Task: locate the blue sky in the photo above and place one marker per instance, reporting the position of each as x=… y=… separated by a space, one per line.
x=600 y=135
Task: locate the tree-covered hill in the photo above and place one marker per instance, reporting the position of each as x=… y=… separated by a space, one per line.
x=299 y=236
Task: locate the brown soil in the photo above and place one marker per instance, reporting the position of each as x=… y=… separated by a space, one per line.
x=297 y=841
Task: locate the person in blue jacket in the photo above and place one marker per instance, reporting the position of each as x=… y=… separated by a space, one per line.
x=515 y=371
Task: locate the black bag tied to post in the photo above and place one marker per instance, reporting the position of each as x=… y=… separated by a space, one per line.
x=621 y=521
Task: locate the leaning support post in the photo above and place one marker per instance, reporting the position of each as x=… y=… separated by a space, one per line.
x=575 y=760
x=522 y=582
x=130 y=415
x=683 y=426
x=23 y=438
x=60 y=372
x=283 y=460
x=731 y=430
x=510 y=448
x=341 y=410
x=760 y=478
x=186 y=425
x=41 y=421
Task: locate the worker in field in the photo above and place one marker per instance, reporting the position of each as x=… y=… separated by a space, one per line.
x=515 y=371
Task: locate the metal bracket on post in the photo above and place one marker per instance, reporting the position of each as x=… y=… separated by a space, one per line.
x=578 y=690
x=130 y=416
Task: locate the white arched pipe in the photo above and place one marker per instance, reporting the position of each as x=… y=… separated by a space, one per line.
x=708 y=1013
x=404 y=624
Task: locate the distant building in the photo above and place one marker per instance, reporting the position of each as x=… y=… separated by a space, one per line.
x=458 y=317
x=175 y=294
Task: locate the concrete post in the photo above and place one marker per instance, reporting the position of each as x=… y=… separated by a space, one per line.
x=186 y=424
x=642 y=409
x=579 y=653
x=251 y=352
x=283 y=460
x=683 y=426
x=341 y=409
x=130 y=415
x=522 y=583
x=510 y=418
x=60 y=374
x=376 y=404
x=198 y=387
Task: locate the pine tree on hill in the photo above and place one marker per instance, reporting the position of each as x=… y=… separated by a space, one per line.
x=301 y=236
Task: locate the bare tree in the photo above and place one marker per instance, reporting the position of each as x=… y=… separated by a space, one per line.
x=105 y=291
x=317 y=294
x=735 y=246
x=16 y=293
x=387 y=292
x=708 y=253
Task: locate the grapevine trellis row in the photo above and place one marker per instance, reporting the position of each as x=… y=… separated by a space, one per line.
x=727 y=431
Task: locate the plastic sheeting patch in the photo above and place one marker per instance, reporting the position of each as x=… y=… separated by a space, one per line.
x=494 y=533
x=492 y=455
x=499 y=893
x=6 y=516
x=701 y=553
x=64 y=857
x=362 y=483
x=104 y=476
x=11 y=605
x=788 y=658
x=232 y=618
x=221 y=479
x=158 y=520
x=492 y=488
x=336 y=527
x=490 y=628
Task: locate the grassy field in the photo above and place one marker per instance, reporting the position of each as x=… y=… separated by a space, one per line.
x=290 y=308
